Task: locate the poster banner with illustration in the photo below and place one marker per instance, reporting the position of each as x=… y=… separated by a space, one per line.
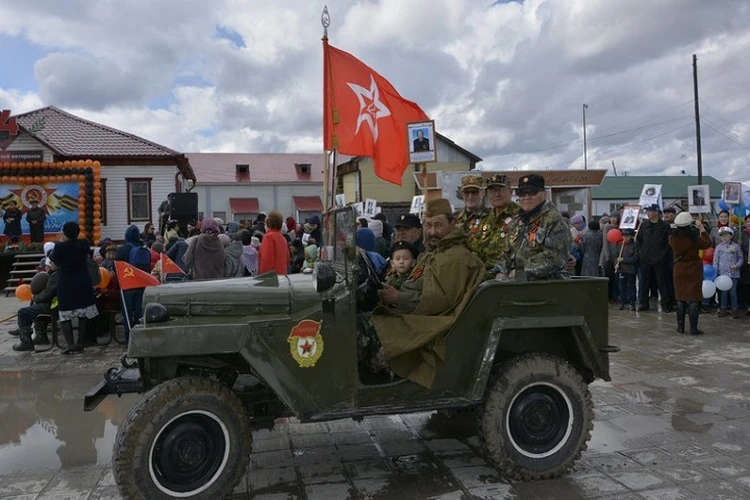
x=699 y=199
x=651 y=195
x=60 y=200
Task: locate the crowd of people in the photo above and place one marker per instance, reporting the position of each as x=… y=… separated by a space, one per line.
x=665 y=259
x=205 y=250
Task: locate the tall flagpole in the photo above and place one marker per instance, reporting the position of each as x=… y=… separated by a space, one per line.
x=329 y=171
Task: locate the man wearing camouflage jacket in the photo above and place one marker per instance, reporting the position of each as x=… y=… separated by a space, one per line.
x=539 y=241
x=471 y=217
x=494 y=233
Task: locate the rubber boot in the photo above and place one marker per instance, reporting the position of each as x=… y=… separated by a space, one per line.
x=82 y=329
x=695 y=311
x=40 y=333
x=67 y=331
x=681 y=310
x=25 y=344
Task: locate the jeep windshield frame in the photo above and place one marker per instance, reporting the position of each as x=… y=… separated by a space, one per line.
x=338 y=232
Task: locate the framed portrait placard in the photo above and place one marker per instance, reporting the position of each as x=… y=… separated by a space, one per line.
x=422 y=145
x=340 y=200
x=370 y=206
x=732 y=193
x=699 y=199
x=417 y=204
x=630 y=214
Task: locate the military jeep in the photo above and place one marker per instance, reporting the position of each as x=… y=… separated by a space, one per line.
x=216 y=360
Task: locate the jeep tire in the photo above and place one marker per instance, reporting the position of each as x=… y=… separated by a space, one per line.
x=186 y=438
x=537 y=417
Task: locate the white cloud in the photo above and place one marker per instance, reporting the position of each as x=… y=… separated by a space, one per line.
x=505 y=81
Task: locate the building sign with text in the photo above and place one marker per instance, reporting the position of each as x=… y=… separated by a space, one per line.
x=22 y=155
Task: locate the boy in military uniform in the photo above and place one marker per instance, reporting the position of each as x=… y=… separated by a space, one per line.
x=471 y=217
x=539 y=241
x=403 y=258
x=494 y=231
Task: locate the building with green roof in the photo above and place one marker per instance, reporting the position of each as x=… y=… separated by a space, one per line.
x=617 y=191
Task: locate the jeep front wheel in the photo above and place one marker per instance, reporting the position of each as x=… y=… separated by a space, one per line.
x=537 y=417
x=186 y=438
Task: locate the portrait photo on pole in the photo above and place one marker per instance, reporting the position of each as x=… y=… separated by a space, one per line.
x=370 y=206
x=417 y=204
x=698 y=199
x=630 y=214
x=422 y=145
x=732 y=193
x=340 y=200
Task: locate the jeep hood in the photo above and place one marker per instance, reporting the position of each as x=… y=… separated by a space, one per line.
x=266 y=294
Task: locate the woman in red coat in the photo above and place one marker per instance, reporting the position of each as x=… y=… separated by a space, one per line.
x=274 y=251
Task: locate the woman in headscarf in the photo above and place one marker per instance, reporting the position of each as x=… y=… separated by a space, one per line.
x=75 y=290
x=381 y=245
x=205 y=254
x=249 y=259
x=291 y=228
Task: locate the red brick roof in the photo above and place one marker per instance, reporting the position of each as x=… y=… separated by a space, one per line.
x=220 y=168
x=69 y=135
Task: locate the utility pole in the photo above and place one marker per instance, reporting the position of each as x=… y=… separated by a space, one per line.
x=697 y=120
x=585 y=151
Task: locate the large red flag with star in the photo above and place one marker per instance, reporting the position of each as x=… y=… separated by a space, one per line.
x=364 y=115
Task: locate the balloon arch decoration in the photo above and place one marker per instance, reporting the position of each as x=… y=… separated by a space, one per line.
x=69 y=190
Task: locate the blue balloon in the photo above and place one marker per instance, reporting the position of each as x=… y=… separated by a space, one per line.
x=723 y=205
x=709 y=273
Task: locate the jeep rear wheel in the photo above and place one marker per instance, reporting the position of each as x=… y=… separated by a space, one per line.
x=537 y=417
x=187 y=438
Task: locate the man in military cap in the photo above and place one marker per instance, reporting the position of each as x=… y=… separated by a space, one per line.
x=539 y=241
x=494 y=230
x=411 y=322
x=409 y=229
x=36 y=216
x=471 y=217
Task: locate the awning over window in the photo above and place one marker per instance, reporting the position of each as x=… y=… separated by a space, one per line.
x=244 y=205
x=308 y=203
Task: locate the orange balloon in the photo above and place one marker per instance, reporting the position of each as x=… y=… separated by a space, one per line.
x=66 y=178
x=97 y=185
x=37 y=164
x=97 y=214
x=97 y=199
x=4 y=179
x=97 y=164
x=88 y=163
x=105 y=276
x=23 y=292
x=67 y=163
x=13 y=165
x=44 y=178
x=59 y=164
x=6 y=164
x=13 y=180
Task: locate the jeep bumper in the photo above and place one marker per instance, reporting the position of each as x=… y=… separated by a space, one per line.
x=116 y=381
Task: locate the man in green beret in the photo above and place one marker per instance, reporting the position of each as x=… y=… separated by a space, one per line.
x=539 y=240
x=410 y=323
x=471 y=217
x=494 y=231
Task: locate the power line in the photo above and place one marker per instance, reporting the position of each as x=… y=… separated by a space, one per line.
x=724 y=135
x=726 y=131
x=643 y=141
x=598 y=137
x=649 y=117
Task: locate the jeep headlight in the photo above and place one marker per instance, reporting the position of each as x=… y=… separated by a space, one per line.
x=324 y=277
x=155 y=313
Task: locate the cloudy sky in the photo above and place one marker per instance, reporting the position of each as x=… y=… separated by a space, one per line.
x=506 y=80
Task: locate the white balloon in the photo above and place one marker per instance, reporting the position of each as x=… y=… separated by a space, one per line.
x=709 y=289
x=723 y=283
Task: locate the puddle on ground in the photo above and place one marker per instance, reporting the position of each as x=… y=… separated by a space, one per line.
x=43 y=425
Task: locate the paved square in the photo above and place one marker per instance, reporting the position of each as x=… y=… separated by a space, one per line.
x=673 y=424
